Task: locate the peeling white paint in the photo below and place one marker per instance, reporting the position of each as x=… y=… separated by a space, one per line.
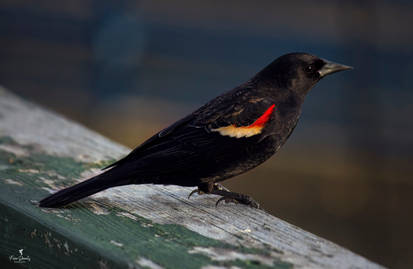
x=68 y=217
x=127 y=215
x=146 y=225
x=52 y=210
x=50 y=183
x=49 y=190
x=89 y=173
x=54 y=174
x=116 y=243
x=16 y=150
x=219 y=254
x=98 y=210
x=31 y=171
x=13 y=182
x=148 y=263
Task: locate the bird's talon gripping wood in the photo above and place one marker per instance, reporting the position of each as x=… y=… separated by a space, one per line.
x=197 y=191
x=226 y=200
x=234 y=197
x=238 y=198
x=252 y=203
x=228 y=136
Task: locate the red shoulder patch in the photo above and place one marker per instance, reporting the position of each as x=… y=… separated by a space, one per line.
x=264 y=117
x=246 y=131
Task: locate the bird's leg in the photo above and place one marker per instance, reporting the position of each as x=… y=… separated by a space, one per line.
x=218 y=186
x=227 y=195
x=234 y=197
x=206 y=188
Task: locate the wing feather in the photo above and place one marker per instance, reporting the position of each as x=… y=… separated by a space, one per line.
x=195 y=134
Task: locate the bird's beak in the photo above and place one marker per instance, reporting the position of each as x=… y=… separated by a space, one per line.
x=330 y=68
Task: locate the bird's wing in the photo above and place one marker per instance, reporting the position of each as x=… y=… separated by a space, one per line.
x=152 y=140
x=198 y=129
x=244 y=122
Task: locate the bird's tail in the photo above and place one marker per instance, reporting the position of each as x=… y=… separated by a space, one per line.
x=88 y=187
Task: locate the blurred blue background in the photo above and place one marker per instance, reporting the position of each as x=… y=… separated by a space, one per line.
x=129 y=68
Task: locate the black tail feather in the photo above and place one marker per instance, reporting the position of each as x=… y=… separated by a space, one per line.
x=78 y=191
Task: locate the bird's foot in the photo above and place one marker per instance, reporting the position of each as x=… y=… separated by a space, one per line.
x=197 y=191
x=233 y=197
x=227 y=195
x=226 y=200
x=207 y=189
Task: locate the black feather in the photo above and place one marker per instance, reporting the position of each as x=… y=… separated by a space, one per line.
x=88 y=187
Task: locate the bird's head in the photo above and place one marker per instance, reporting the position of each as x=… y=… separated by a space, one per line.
x=298 y=71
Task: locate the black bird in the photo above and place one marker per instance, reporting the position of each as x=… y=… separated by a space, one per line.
x=228 y=136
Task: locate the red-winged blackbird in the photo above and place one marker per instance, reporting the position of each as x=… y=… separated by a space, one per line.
x=228 y=136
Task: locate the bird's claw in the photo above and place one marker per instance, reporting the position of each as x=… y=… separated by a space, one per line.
x=226 y=200
x=216 y=186
x=226 y=195
x=254 y=204
x=246 y=200
x=198 y=191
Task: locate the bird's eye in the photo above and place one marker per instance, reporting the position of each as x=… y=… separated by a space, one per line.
x=310 y=68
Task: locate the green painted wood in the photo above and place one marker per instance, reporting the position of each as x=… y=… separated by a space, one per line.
x=66 y=237
x=130 y=226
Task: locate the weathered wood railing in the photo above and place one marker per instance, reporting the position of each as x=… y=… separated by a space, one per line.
x=131 y=226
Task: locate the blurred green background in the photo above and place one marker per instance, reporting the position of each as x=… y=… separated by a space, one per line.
x=129 y=68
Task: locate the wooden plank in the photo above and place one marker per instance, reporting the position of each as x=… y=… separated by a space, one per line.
x=143 y=226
